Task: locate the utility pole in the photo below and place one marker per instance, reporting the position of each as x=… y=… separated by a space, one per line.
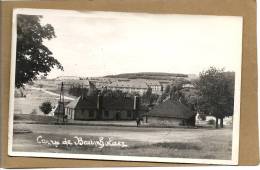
x=61 y=104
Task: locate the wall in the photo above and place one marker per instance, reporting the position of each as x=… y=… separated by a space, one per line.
x=70 y=113
x=112 y=115
x=84 y=114
x=79 y=114
x=157 y=121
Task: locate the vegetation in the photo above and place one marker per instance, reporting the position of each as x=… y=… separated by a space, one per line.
x=77 y=90
x=46 y=107
x=213 y=93
x=211 y=122
x=216 y=93
x=32 y=57
x=149 y=98
x=148 y=75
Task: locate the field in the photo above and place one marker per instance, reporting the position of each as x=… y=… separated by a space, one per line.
x=163 y=142
x=34 y=98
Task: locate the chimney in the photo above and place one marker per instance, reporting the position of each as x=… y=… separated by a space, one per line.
x=92 y=88
x=99 y=101
x=82 y=91
x=136 y=102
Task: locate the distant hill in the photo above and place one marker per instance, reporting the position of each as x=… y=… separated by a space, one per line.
x=148 y=75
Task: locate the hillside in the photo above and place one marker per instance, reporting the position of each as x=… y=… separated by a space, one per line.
x=148 y=75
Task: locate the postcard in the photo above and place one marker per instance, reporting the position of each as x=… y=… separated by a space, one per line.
x=125 y=86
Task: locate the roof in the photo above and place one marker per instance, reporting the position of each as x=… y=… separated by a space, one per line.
x=171 y=109
x=118 y=103
x=73 y=103
x=153 y=83
x=188 y=86
x=107 y=102
x=89 y=102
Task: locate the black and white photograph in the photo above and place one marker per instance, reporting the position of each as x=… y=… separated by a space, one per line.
x=130 y=86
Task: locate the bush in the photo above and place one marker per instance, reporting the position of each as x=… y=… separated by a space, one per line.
x=211 y=122
x=46 y=107
x=202 y=117
x=34 y=112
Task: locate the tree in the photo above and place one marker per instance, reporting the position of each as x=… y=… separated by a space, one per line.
x=32 y=57
x=46 y=107
x=147 y=96
x=216 y=90
x=167 y=89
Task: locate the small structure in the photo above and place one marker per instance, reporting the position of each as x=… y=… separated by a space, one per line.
x=171 y=113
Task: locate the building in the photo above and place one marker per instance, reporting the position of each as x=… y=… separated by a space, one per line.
x=188 y=86
x=155 y=85
x=67 y=84
x=129 y=86
x=170 y=113
x=59 y=109
x=103 y=108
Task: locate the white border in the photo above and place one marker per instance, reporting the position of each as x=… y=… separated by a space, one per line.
x=236 y=117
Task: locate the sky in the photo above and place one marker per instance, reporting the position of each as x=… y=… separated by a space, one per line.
x=96 y=43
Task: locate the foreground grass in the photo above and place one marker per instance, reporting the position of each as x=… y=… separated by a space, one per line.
x=34 y=118
x=207 y=147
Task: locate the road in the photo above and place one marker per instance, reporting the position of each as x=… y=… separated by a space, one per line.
x=49 y=92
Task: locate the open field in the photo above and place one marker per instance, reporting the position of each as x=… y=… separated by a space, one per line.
x=34 y=98
x=163 y=142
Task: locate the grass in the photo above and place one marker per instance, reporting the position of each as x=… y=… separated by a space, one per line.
x=154 y=149
x=34 y=118
x=156 y=142
x=178 y=145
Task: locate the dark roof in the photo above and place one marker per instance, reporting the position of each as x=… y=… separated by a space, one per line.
x=107 y=102
x=89 y=102
x=118 y=103
x=171 y=109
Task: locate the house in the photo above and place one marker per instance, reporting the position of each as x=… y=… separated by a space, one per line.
x=170 y=113
x=103 y=108
x=59 y=108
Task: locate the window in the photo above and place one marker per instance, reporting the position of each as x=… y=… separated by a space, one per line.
x=91 y=113
x=106 y=113
x=129 y=114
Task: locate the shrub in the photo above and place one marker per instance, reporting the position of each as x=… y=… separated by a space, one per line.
x=211 y=122
x=202 y=117
x=34 y=112
x=46 y=107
